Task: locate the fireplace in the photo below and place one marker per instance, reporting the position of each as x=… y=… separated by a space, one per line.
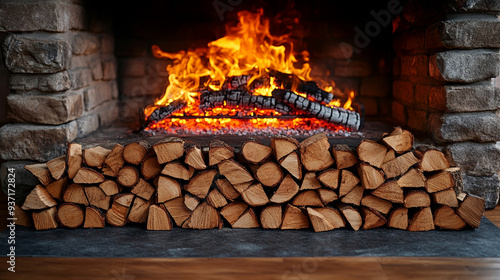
x=91 y=66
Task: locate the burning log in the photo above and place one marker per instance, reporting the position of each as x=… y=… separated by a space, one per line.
x=341 y=116
x=163 y=112
x=240 y=98
x=292 y=82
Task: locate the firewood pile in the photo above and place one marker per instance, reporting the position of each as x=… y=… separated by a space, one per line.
x=288 y=185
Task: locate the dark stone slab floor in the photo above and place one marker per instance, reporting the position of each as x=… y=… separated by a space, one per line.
x=135 y=241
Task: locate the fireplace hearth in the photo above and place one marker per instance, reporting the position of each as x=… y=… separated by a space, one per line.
x=80 y=69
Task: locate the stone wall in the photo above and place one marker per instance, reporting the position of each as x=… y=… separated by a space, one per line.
x=63 y=72
x=443 y=86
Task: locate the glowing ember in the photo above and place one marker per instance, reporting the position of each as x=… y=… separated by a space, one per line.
x=255 y=62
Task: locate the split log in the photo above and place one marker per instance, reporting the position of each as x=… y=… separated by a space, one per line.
x=255 y=195
x=216 y=199
x=247 y=220
x=398 y=218
x=327 y=195
x=204 y=217
x=139 y=211
x=57 y=188
x=178 y=210
x=354 y=196
x=310 y=182
x=177 y=170
x=399 y=140
x=269 y=174
x=471 y=210
x=169 y=149
x=158 y=218
x=333 y=216
x=107 y=171
x=88 y=176
x=255 y=152
x=143 y=189
x=41 y=172
x=70 y=215
x=75 y=193
x=242 y=186
x=381 y=205
x=271 y=216
x=286 y=190
x=315 y=153
x=399 y=165
x=330 y=178
x=417 y=199
x=447 y=197
x=124 y=199
x=371 y=178
x=440 y=181
x=218 y=152
x=200 y=184
x=432 y=160
x=159 y=113
x=45 y=219
x=233 y=211
x=348 y=182
x=351 y=215
x=74 y=159
x=371 y=153
x=283 y=146
x=293 y=218
x=227 y=189
x=422 y=220
x=344 y=156
x=128 y=176
x=292 y=164
x=234 y=172
x=57 y=167
x=308 y=198
x=23 y=218
x=110 y=187
x=168 y=189
x=38 y=198
x=446 y=218
x=372 y=218
x=195 y=158
x=150 y=168
x=95 y=157
x=117 y=215
x=336 y=115
x=97 y=197
x=191 y=201
x=390 y=155
x=115 y=160
x=135 y=153
x=319 y=222
x=390 y=191
x=94 y=218
x=414 y=178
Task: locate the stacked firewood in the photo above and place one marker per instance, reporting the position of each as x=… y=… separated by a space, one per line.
x=288 y=185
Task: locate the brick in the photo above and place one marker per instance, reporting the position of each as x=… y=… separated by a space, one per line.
x=114 y=90
x=486 y=187
x=109 y=112
x=35 y=142
x=46 y=83
x=352 y=68
x=347 y=84
x=376 y=87
x=396 y=66
x=145 y=86
x=490 y=6
x=109 y=69
x=476 y=159
x=466 y=98
x=107 y=44
x=96 y=68
x=131 y=48
x=464 y=66
x=80 y=78
x=464 y=33
x=497 y=96
x=412 y=39
x=417 y=119
x=384 y=106
x=422 y=94
x=44 y=109
x=417 y=65
x=371 y=105
x=85 y=43
x=87 y=124
x=133 y=67
x=158 y=67
x=459 y=127
x=97 y=94
x=398 y=112
x=31 y=53
x=129 y=108
x=29 y=15
x=403 y=92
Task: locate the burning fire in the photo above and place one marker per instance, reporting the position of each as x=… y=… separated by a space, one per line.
x=248 y=49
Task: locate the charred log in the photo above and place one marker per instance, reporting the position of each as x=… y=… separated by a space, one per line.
x=287 y=81
x=337 y=115
x=163 y=112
